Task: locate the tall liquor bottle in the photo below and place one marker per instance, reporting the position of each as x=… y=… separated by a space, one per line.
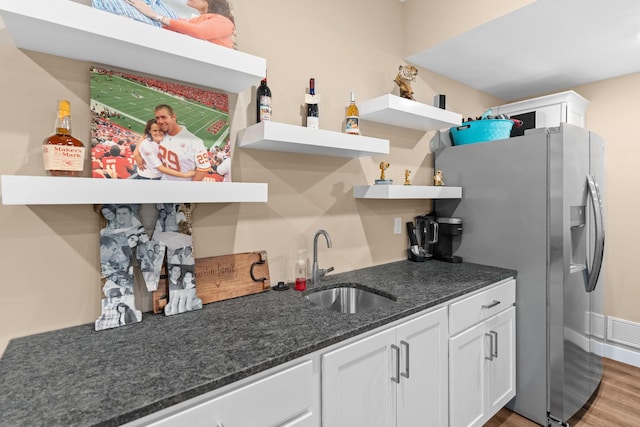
x=313 y=115
x=351 y=123
x=263 y=101
x=63 y=155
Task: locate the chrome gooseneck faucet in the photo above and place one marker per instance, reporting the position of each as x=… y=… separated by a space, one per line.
x=317 y=272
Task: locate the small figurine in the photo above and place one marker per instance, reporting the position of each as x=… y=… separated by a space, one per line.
x=383 y=167
x=407 y=173
x=437 y=178
x=406 y=75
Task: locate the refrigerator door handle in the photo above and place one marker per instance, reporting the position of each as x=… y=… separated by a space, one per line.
x=598 y=254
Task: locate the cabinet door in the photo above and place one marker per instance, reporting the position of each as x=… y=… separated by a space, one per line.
x=467 y=378
x=501 y=371
x=422 y=397
x=282 y=399
x=357 y=390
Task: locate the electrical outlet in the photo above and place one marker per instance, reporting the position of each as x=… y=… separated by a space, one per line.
x=397 y=225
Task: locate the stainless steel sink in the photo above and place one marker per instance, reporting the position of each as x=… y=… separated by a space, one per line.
x=349 y=298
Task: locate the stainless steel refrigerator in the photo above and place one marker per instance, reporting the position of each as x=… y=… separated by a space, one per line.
x=534 y=204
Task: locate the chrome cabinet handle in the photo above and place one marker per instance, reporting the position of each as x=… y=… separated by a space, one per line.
x=596 y=202
x=396 y=379
x=495 y=343
x=490 y=358
x=406 y=359
x=491 y=305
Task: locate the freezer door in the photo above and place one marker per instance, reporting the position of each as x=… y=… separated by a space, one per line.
x=596 y=315
x=573 y=373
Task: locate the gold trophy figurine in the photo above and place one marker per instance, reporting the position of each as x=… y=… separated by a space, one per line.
x=437 y=178
x=407 y=173
x=383 y=167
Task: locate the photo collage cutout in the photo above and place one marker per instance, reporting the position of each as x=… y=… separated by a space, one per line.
x=124 y=243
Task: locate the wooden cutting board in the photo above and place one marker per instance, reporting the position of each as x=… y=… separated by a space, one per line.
x=223 y=277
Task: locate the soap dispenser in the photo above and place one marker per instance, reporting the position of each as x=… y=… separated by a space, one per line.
x=301 y=271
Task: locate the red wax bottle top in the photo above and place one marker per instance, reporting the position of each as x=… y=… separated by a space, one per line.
x=301 y=284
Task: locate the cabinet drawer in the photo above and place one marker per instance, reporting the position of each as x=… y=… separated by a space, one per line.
x=282 y=398
x=471 y=310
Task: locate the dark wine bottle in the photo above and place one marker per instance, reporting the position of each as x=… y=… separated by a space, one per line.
x=263 y=102
x=313 y=114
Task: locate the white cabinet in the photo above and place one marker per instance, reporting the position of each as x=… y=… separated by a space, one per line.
x=397 y=377
x=550 y=110
x=285 y=398
x=481 y=355
x=453 y=365
x=422 y=393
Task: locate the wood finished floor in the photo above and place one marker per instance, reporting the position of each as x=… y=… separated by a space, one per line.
x=615 y=404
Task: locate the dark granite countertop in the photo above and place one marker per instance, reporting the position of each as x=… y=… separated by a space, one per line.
x=77 y=376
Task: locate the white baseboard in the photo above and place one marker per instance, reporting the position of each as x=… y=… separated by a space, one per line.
x=613 y=338
x=618 y=353
x=622 y=341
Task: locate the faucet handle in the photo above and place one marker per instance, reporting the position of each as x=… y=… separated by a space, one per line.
x=329 y=270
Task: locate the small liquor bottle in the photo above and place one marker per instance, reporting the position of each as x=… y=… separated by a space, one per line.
x=63 y=155
x=263 y=102
x=351 y=125
x=313 y=115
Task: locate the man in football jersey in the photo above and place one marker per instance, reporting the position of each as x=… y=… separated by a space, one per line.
x=115 y=161
x=180 y=150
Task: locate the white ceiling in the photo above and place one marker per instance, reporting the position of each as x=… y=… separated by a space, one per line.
x=546 y=46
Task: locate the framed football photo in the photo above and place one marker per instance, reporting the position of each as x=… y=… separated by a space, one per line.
x=151 y=129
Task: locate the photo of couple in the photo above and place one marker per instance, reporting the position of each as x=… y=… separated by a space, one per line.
x=209 y=20
x=144 y=128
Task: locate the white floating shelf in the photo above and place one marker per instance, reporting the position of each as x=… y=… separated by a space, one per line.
x=406 y=192
x=50 y=190
x=72 y=30
x=397 y=111
x=275 y=136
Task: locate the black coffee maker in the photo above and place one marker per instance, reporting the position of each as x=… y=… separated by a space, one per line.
x=436 y=235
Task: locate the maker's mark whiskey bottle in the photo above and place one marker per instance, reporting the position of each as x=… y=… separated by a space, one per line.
x=63 y=154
